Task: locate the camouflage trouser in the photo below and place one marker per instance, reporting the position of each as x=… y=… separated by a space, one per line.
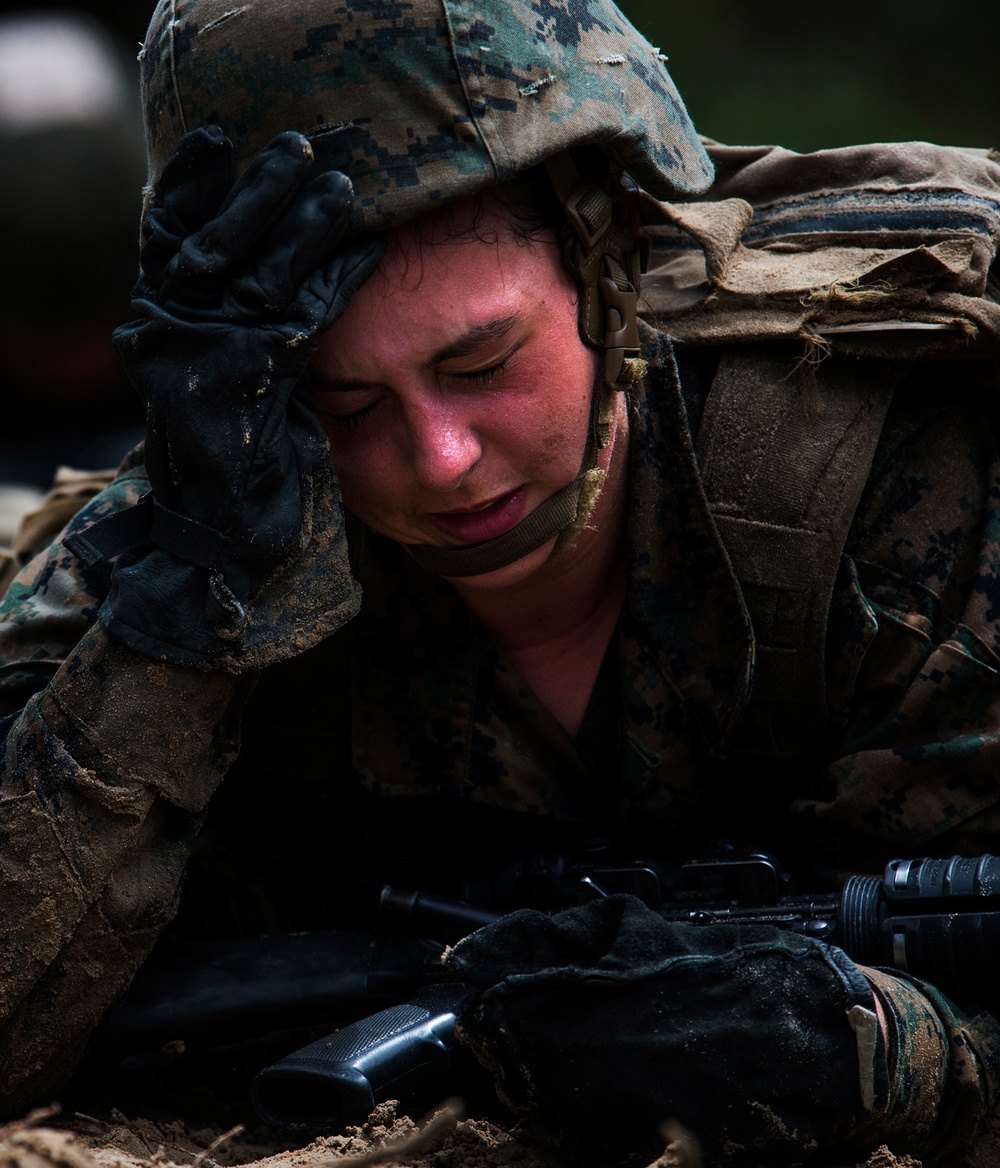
x=38 y=527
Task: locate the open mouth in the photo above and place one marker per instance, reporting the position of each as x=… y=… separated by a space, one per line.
x=485 y=520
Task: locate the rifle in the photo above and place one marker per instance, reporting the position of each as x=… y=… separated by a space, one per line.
x=938 y=919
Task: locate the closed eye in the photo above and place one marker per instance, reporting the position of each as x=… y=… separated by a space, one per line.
x=482 y=376
x=353 y=419
x=334 y=404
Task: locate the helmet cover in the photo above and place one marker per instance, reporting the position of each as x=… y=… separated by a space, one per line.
x=419 y=101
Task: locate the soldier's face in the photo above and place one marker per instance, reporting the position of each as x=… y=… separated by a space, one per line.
x=455 y=391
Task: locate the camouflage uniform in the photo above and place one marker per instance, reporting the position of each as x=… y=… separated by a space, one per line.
x=110 y=759
x=111 y=763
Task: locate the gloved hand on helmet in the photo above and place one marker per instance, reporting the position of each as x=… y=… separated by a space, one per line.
x=237 y=556
x=607 y=1021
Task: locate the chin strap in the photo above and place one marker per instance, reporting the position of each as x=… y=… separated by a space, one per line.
x=606 y=260
x=546 y=521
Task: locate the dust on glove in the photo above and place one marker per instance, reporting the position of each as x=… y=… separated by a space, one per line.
x=237 y=556
x=605 y=1021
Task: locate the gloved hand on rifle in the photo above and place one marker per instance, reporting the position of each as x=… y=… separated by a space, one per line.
x=237 y=556
x=606 y=1021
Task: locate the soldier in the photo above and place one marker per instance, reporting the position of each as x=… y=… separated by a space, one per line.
x=406 y=236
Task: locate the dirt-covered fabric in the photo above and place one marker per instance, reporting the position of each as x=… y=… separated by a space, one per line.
x=879 y=250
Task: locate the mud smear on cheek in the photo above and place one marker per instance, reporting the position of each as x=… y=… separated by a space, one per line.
x=552 y=448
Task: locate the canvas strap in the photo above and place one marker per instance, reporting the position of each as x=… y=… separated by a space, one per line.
x=785 y=450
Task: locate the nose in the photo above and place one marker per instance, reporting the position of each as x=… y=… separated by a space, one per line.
x=444 y=444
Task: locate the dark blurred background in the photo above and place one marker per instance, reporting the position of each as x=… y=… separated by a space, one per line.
x=810 y=75
x=72 y=164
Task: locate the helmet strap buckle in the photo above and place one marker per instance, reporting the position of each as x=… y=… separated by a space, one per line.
x=606 y=260
x=622 y=363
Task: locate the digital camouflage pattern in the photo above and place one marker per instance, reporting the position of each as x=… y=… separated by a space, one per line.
x=419 y=101
x=936 y=1086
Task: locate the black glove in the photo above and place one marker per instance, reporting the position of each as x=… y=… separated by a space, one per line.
x=238 y=555
x=606 y=1021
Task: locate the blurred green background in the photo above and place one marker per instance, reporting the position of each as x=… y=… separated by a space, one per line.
x=809 y=75
x=805 y=75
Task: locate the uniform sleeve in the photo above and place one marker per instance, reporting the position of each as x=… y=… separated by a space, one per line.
x=108 y=762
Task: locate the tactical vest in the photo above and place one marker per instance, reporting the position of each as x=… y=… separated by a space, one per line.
x=823 y=278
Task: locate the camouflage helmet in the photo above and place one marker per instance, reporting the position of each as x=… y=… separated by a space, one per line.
x=420 y=101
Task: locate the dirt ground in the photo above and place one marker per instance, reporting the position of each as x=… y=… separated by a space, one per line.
x=443 y=1140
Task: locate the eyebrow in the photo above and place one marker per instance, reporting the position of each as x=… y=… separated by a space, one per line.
x=481 y=334
x=463 y=346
